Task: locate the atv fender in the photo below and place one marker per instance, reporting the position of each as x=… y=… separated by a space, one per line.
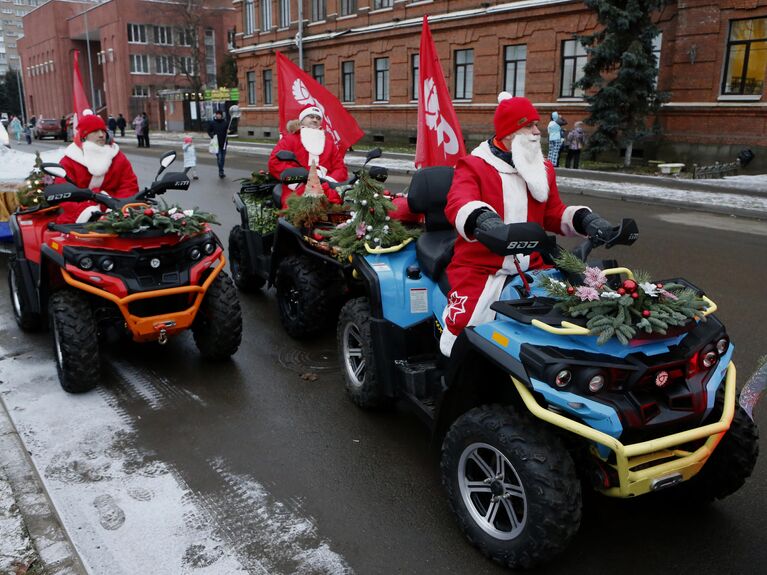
x=289 y=241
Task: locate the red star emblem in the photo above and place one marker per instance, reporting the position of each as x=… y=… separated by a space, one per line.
x=455 y=306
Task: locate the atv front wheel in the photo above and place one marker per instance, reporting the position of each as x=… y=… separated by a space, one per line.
x=75 y=341
x=217 y=328
x=355 y=349
x=27 y=320
x=511 y=484
x=307 y=295
x=240 y=265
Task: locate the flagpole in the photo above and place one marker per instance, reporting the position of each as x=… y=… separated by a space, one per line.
x=90 y=65
x=300 y=35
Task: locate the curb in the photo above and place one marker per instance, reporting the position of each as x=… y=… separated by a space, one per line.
x=55 y=549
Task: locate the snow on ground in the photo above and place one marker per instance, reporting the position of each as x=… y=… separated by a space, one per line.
x=129 y=512
x=15 y=165
x=15 y=546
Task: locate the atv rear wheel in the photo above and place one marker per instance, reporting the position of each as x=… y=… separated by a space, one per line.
x=217 y=328
x=728 y=467
x=240 y=265
x=307 y=295
x=27 y=320
x=75 y=341
x=511 y=484
x=355 y=349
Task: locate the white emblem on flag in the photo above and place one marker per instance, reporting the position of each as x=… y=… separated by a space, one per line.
x=436 y=121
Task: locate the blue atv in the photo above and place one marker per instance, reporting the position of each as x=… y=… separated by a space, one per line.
x=530 y=409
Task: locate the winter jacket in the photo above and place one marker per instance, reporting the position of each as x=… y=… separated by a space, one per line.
x=218 y=128
x=555 y=130
x=190 y=155
x=576 y=139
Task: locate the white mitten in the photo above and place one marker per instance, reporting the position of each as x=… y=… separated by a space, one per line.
x=86 y=214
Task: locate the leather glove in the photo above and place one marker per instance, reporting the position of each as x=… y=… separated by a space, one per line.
x=596 y=226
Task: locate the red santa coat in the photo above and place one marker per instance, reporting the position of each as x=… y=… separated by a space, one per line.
x=119 y=180
x=477 y=275
x=330 y=164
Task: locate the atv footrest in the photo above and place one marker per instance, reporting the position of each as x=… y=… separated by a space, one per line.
x=422 y=379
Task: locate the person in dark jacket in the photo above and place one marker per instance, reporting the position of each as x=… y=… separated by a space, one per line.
x=121 y=123
x=218 y=129
x=112 y=126
x=145 y=129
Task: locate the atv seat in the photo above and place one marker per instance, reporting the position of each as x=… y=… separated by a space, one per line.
x=277 y=196
x=428 y=196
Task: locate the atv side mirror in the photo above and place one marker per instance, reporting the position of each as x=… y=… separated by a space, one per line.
x=287 y=156
x=166 y=160
x=378 y=173
x=373 y=154
x=55 y=170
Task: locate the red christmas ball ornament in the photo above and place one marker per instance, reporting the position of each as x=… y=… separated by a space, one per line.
x=317 y=237
x=645 y=313
x=621 y=291
x=149 y=212
x=635 y=295
x=386 y=193
x=570 y=290
x=629 y=285
x=659 y=285
x=183 y=224
x=372 y=210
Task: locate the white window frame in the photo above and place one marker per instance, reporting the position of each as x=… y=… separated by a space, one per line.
x=137 y=30
x=135 y=68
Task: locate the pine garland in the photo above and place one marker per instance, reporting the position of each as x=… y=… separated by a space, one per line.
x=262 y=215
x=638 y=305
x=169 y=219
x=306 y=211
x=30 y=193
x=370 y=221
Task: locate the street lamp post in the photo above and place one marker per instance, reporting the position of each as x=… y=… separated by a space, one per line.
x=90 y=64
x=19 y=80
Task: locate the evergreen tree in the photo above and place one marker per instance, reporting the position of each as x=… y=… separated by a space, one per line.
x=623 y=70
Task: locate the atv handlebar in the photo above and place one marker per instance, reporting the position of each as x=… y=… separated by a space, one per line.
x=624 y=234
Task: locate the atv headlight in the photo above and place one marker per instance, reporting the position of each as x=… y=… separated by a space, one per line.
x=209 y=248
x=195 y=254
x=107 y=264
x=86 y=262
x=563 y=378
x=722 y=346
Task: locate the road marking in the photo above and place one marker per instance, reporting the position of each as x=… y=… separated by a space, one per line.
x=729 y=223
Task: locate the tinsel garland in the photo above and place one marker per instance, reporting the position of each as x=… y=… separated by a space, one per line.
x=370 y=221
x=168 y=219
x=637 y=305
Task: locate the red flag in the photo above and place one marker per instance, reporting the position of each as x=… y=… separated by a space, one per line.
x=296 y=90
x=79 y=98
x=440 y=141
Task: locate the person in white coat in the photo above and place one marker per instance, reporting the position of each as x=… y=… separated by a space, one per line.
x=190 y=158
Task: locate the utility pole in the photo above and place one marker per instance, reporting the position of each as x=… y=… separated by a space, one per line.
x=19 y=80
x=90 y=64
x=300 y=35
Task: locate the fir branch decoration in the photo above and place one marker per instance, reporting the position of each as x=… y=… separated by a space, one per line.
x=169 y=219
x=262 y=216
x=260 y=183
x=370 y=221
x=30 y=193
x=306 y=211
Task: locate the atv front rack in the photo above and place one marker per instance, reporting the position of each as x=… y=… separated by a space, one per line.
x=649 y=465
x=157 y=327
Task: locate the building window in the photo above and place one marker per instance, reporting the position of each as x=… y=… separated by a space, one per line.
x=188 y=66
x=140 y=92
x=348 y=7
x=251 y=77
x=573 y=62
x=347 y=79
x=284 y=13
x=210 y=57
x=267 y=75
x=136 y=34
x=266 y=15
x=464 y=74
x=515 y=62
x=249 y=17
x=746 y=57
x=163 y=65
x=415 y=75
x=163 y=35
x=185 y=37
x=230 y=36
x=378 y=4
x=319 y=10
x=656 y=44
x=318 y=73
x=382 y=79
x=139 y=64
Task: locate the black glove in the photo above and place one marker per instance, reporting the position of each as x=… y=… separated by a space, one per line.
x=596 y=226
x=487 y=221
x=507 y=239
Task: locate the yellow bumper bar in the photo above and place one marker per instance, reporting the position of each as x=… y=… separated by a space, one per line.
x=643 y=467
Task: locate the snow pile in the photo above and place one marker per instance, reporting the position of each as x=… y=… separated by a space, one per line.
x=16 y=165
x=15 y=546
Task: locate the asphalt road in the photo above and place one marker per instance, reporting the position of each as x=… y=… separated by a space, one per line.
x=369 y=482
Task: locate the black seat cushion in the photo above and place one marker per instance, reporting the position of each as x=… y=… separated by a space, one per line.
x=277 y=196
x=434 y=251
x=427 y=195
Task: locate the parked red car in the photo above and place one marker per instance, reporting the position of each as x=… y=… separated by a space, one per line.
x=48 y=127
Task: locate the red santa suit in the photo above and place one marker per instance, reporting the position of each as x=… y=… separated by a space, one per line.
x=477 y=275
x=100 y=168
x=310 y=145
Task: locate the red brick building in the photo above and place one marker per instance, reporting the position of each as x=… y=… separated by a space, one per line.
x=141 y=52
x=712 y=60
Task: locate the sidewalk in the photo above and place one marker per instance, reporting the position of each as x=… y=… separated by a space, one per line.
x=744 y=196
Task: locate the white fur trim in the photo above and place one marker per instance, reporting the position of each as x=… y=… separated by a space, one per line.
x=313 y=111
x=504 y=96
x=483 y=151
x=464 y=213
x=567 y=220
x=446 y=340
x=86 y=214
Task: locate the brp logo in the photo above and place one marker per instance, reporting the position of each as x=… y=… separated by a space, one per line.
x=661 y=379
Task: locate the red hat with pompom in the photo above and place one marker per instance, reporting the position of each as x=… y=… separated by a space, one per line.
x=90 y=123
x=512 y=114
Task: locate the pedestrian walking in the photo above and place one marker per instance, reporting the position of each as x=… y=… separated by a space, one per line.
x=190 y=158
x=576 y=140
x=16 y=128
x=111 y=127
x=28 y=134
x=146 y=129
x=121 y=125
x=555 y=138
x=217 y=130
x=138 y=121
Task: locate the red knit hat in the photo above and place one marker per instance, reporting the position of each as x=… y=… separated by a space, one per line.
x=512 y=114
x=90 y=123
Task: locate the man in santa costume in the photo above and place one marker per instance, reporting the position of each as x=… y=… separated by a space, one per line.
x=310 y=144
x=92 y=163
x=504 y=180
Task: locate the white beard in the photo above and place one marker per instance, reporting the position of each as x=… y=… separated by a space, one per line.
x=527 y=156
x=97 y=158
x=314 y=142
